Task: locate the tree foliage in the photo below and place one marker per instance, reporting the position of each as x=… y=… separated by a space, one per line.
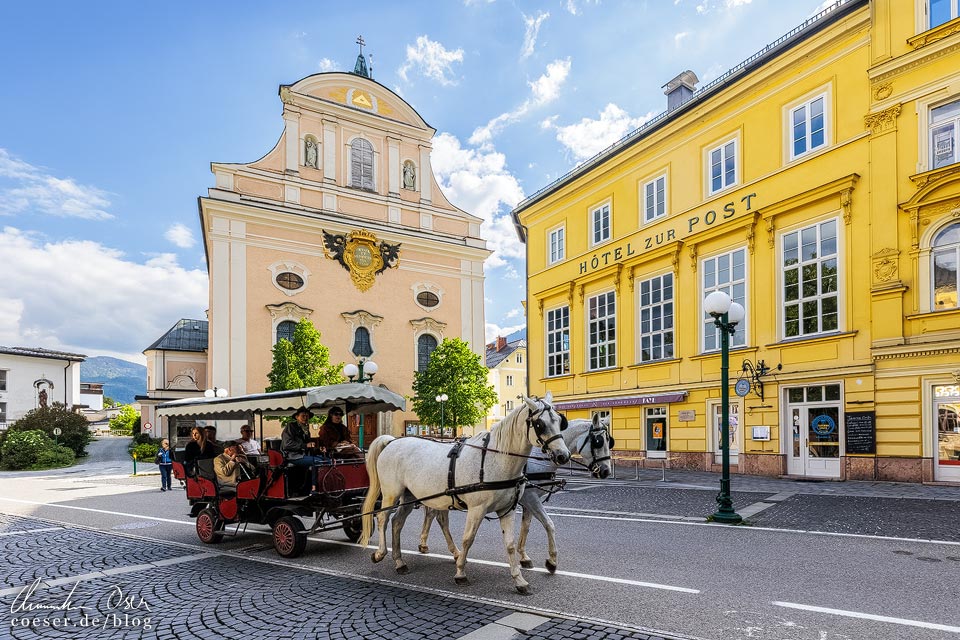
x=303 y=361
x=125 y=422
x=75 y=430
x=458 y=372
x=32 y=449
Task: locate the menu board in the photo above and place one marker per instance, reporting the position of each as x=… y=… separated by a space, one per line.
x=861 y=431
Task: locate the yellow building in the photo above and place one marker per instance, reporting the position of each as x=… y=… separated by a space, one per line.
x=506 y=361
x=818 y=183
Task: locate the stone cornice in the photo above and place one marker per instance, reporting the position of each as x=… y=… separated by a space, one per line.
x=936 y=34
x=910 y=61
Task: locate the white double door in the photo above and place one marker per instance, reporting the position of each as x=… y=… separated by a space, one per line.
x=813 y=439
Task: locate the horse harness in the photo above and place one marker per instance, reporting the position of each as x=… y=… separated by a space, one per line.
x=595 y=437
x=517 y=483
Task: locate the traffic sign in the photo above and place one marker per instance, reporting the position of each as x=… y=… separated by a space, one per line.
x=147 y=427
x=57 y=431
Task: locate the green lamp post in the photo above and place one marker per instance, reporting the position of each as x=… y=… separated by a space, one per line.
x=361 y=372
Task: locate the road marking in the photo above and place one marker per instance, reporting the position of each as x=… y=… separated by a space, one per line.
x=46 y=584
x=870 y=616
x=112 y=513
x=26 y=531
x=624 y=513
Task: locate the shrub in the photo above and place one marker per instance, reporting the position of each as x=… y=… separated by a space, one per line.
x=141 y=438
x=75 y=429
x=22 y=449
x=145 y=452
x=54 y=457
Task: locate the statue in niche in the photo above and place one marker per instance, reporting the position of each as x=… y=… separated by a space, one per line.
x=42 y=397
x=409 y=175
x=311 y=153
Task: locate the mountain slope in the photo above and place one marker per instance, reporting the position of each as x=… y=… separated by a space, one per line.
x=121 y=380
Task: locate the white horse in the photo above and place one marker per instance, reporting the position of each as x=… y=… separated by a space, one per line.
x=487 y=477
x=596 y=457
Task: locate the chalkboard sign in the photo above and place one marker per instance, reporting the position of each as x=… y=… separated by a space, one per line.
x=861 y=429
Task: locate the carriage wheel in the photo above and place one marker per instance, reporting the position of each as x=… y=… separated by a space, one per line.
x=288 y=537
x=353 y=528
x=209 y=527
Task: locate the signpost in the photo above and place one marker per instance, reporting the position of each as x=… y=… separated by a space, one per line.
x=147 y=427
x=56 y=433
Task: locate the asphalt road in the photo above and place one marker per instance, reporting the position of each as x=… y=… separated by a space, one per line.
x=626 y=558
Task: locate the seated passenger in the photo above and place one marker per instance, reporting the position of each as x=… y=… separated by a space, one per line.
x=231 y=467
x=293 y=440
x=249 y=446
x=334 y=437
x=197 y=449
x=211 y=433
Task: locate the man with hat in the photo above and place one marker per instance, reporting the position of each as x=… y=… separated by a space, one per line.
x=293 y=440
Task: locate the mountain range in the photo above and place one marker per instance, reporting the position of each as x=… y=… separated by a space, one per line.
x=122 y=380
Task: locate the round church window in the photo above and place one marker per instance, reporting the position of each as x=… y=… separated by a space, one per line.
x=428 y=299
x=289 y=280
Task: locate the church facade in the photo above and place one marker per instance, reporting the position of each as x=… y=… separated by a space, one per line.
x=343 y=223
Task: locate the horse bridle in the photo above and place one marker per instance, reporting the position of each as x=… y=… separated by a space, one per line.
x=534 y=422
x=595 y=437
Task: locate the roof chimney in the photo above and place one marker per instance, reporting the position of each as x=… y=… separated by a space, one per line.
x=680 y=89
x=501 y=343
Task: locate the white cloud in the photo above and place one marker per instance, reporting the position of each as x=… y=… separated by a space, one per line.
x=678 y=38
x=706 y=6
x=432 y=60
x=84 y=297
x=516 y=312
x=25 y=188
x=477 y=181
x=493 y=331
x=180 y=235
x=544 y=90
x=826 y=4
x=533 y=28
x=588 y=137
x=326 y=64
x=571 y=5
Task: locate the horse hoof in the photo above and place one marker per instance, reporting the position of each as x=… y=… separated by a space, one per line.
x=526 y=564
x=423 y=549
x=461 y=581
x=403 y=570
x=524 y=590
x=551 y=566
x=375 y=557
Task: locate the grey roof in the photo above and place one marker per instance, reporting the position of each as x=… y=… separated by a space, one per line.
x=32 y=352
x=781 y=45
x=494 y=357
x=186 y=335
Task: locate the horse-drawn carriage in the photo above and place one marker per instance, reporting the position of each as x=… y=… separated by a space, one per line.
x=278 y=493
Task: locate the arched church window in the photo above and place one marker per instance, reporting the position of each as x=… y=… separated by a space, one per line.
x=946 y=258
x=361 y=343
x=425 y=346
x=361 y=164
x=285 y=330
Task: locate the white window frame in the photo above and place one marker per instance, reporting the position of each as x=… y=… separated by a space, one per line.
x=838 y=293
x=721 y=146
x=646 y=217
x=562 y=355
x=3 y=379
x=666 y=309
x=822 y=93
x=509 y=380
x=519 y=358
x=598 y=209
x=925 y=262
x=931 y=144
x=609 y=358
x=729 y=286
x=556 y=251
x=606 y=416
x=3 y=414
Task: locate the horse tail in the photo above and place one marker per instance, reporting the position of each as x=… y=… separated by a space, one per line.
x=370 y=501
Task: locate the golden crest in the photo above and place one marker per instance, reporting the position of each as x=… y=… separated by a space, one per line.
x=360 y=253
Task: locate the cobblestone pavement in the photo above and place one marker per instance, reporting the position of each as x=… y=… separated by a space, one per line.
x=133 y=588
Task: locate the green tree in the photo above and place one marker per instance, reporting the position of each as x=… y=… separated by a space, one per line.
x=303 y=361
x=75 y=430
x=108 y=402
x=125 y=422
x=458 y=372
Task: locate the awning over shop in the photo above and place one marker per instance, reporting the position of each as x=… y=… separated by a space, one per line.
x=622 y=401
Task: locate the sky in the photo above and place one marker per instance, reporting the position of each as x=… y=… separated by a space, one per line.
x=111 y=113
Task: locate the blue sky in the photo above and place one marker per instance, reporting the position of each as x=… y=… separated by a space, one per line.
x=110 y=113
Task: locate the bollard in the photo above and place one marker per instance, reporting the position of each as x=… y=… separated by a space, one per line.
x=134 y=464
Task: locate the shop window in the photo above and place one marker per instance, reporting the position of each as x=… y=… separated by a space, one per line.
x=602 y=331
x=727 y=273
x=558 y=341
x=655 y=199
x=810 y=262
x=946 y=275
x=557 y=248
x=944 y=133
x=655 y=419
x=656 y=318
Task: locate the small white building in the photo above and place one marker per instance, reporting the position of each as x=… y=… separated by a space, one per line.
x=91 y=395
x=30 y=378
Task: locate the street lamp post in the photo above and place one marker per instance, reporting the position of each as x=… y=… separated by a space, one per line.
x=361 y=372
x=216 y=392
x=726 y=316
x=441 y=399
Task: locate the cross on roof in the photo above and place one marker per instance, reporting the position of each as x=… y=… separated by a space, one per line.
x=361 y=42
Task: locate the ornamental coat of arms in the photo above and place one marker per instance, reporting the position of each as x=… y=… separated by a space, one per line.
x=361 y=255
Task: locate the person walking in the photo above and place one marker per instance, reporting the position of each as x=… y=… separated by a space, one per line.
x=165 y=462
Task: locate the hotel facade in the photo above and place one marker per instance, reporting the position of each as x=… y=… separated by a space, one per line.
x=818 y=184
